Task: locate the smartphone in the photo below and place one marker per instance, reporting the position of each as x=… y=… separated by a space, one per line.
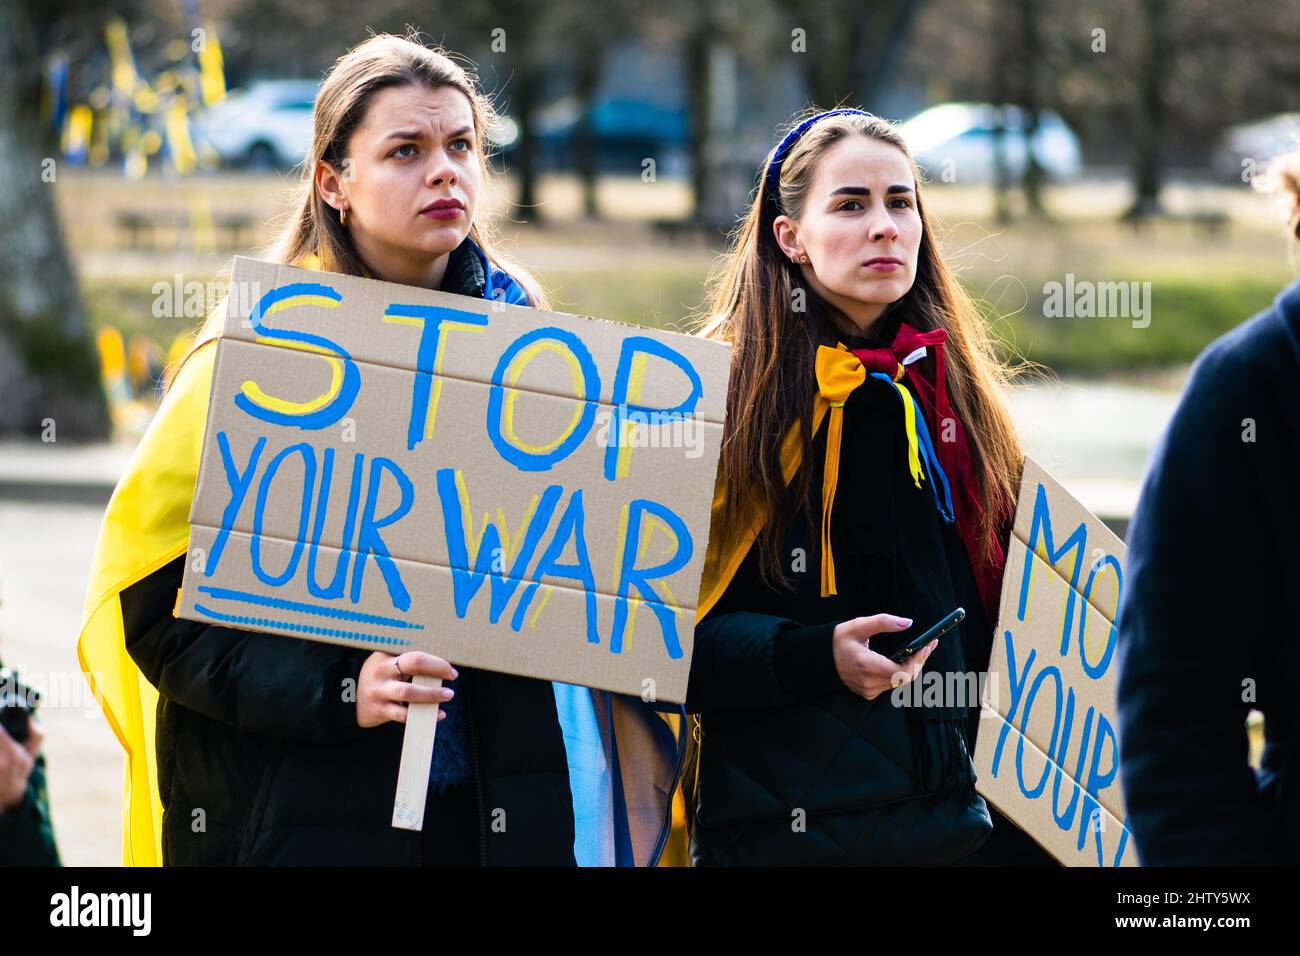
x=940 y=629
x=17 y=704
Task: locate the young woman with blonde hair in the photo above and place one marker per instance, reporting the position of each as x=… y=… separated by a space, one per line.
x=270 y=750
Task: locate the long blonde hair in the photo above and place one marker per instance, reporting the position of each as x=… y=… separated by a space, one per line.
x=382 y=61
x=1282 y=177
x=773 y=377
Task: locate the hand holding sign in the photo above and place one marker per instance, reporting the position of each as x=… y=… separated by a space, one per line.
x=385 y=686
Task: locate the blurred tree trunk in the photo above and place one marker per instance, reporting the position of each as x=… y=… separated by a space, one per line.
x=1001 y=173
x=1149 y=123
x=833 y=38
x=1031 y=56
x=880 y=51
x=1001 y=63
x=698 y=99
x=589 y=60
x=522 y=21
x=853 y=47
x=829 y=62
x=49 y=370
x=523 y=102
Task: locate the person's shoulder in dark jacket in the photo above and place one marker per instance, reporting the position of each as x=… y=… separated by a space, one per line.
x=1210 y=602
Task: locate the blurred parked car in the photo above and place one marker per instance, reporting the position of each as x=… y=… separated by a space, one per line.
x=266 y=126
x=959 y=137
x=627 y=131
x=1247 y=146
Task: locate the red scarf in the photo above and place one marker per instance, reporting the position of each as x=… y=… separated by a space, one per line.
x=951 y=446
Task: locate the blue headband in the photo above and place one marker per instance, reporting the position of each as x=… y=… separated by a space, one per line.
x=774 y=167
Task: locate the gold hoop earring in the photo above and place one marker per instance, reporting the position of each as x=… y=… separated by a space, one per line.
x=804 y=259
x=343 y=215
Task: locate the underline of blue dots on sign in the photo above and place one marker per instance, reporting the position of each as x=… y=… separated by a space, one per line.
x=281 y=604
x=302 y=628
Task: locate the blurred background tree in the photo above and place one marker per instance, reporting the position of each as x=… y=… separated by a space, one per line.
x=48 y=367
x=621 y=117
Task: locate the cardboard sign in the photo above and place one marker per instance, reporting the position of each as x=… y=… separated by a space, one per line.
x=1047 y=754
x=394 y=468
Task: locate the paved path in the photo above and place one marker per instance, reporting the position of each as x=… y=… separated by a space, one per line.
x=45 y=551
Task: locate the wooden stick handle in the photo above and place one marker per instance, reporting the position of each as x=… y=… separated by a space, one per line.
x=417 y=758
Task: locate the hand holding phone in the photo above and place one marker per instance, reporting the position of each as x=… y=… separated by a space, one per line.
x=943 y=627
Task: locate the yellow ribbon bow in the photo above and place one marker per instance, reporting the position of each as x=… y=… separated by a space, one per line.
x=839 y=372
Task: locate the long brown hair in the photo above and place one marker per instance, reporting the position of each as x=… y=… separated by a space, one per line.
x=313 y=227
x=773 y=378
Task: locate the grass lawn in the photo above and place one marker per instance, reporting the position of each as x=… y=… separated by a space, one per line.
x=1200 y=285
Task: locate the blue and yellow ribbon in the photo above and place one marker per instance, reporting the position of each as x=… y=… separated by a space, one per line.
x=839 y=373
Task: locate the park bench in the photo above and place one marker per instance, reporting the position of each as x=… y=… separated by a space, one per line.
x=145 y=230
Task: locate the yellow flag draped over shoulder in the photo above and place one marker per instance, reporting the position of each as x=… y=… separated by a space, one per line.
x=839 y=373
x=145 y=527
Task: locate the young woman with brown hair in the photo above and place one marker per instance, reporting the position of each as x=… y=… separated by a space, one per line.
x=865 y=488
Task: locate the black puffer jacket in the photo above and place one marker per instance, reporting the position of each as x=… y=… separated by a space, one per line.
x=259 y=744
x=795 y=768
x=261 y=760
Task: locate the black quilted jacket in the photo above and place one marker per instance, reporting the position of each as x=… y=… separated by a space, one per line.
x=261 y=761
x=796 y=769
x=255 y=732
